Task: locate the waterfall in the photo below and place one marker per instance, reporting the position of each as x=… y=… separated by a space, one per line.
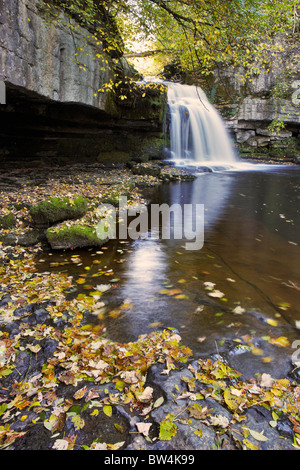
x=197 y=131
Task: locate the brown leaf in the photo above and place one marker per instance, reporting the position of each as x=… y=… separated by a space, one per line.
x=67 y=377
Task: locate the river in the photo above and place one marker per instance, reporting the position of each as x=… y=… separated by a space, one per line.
x=237 y=296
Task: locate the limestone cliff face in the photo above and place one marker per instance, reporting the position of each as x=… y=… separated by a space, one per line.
x=258 y=108
x=52 y=72
x=250 y=107
x=40 y=56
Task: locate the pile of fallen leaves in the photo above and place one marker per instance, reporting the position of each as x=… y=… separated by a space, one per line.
x=82 y=354
x=217 y=380
x=84 y=360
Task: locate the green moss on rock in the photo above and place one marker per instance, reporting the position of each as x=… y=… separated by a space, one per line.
x=56 y=209
x=76 y=236
x=7 y=221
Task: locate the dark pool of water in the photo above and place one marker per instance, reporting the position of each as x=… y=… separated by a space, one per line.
x=251 y=254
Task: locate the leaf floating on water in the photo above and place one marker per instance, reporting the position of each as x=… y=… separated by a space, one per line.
x=103 y=287
x=127 y=305
x=239 y=310
x=163 y=291
x=34 y=349
x=272 y=322
x=200 y=308
x=78 y=422
x=201 y=339
x=284 y=305
x=115 y=313
x=255 y=350
x=281 y=341
x=267 y=359
x=249 y=444
x=209 y=284
x=174 y=292
x=218 y=294
x=119 y=427
x=155 y=324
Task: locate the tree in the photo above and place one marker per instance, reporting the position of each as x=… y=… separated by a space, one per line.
x=201 y=34
x=206 y=33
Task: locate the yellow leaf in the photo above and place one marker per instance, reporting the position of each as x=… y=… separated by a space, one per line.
x=281 y=341
x=115 y=313
x=34 y=349
x=256 y=351
x=272 y=322
x=267 y=359
x=276 y=392
x=80 y=393
x=107 y=409
x=249 y=444
x=231 y=401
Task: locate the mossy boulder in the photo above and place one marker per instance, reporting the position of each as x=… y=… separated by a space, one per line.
x=7 y=221
x=57 y=209
x=76 y=236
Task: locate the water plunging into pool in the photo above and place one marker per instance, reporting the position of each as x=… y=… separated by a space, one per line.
x=197 y=132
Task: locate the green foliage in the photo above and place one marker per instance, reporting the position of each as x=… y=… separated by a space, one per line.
x=200 y=35
x=276 y=125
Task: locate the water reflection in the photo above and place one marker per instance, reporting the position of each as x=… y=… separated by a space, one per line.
x=250 y=253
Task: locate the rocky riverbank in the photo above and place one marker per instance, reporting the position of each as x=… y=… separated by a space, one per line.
x=66 y=385
x=60 y=206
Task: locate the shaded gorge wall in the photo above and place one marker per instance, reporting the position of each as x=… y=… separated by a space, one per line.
x=53 y=111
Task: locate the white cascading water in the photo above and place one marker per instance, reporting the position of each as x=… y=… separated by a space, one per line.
x=197 y=131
